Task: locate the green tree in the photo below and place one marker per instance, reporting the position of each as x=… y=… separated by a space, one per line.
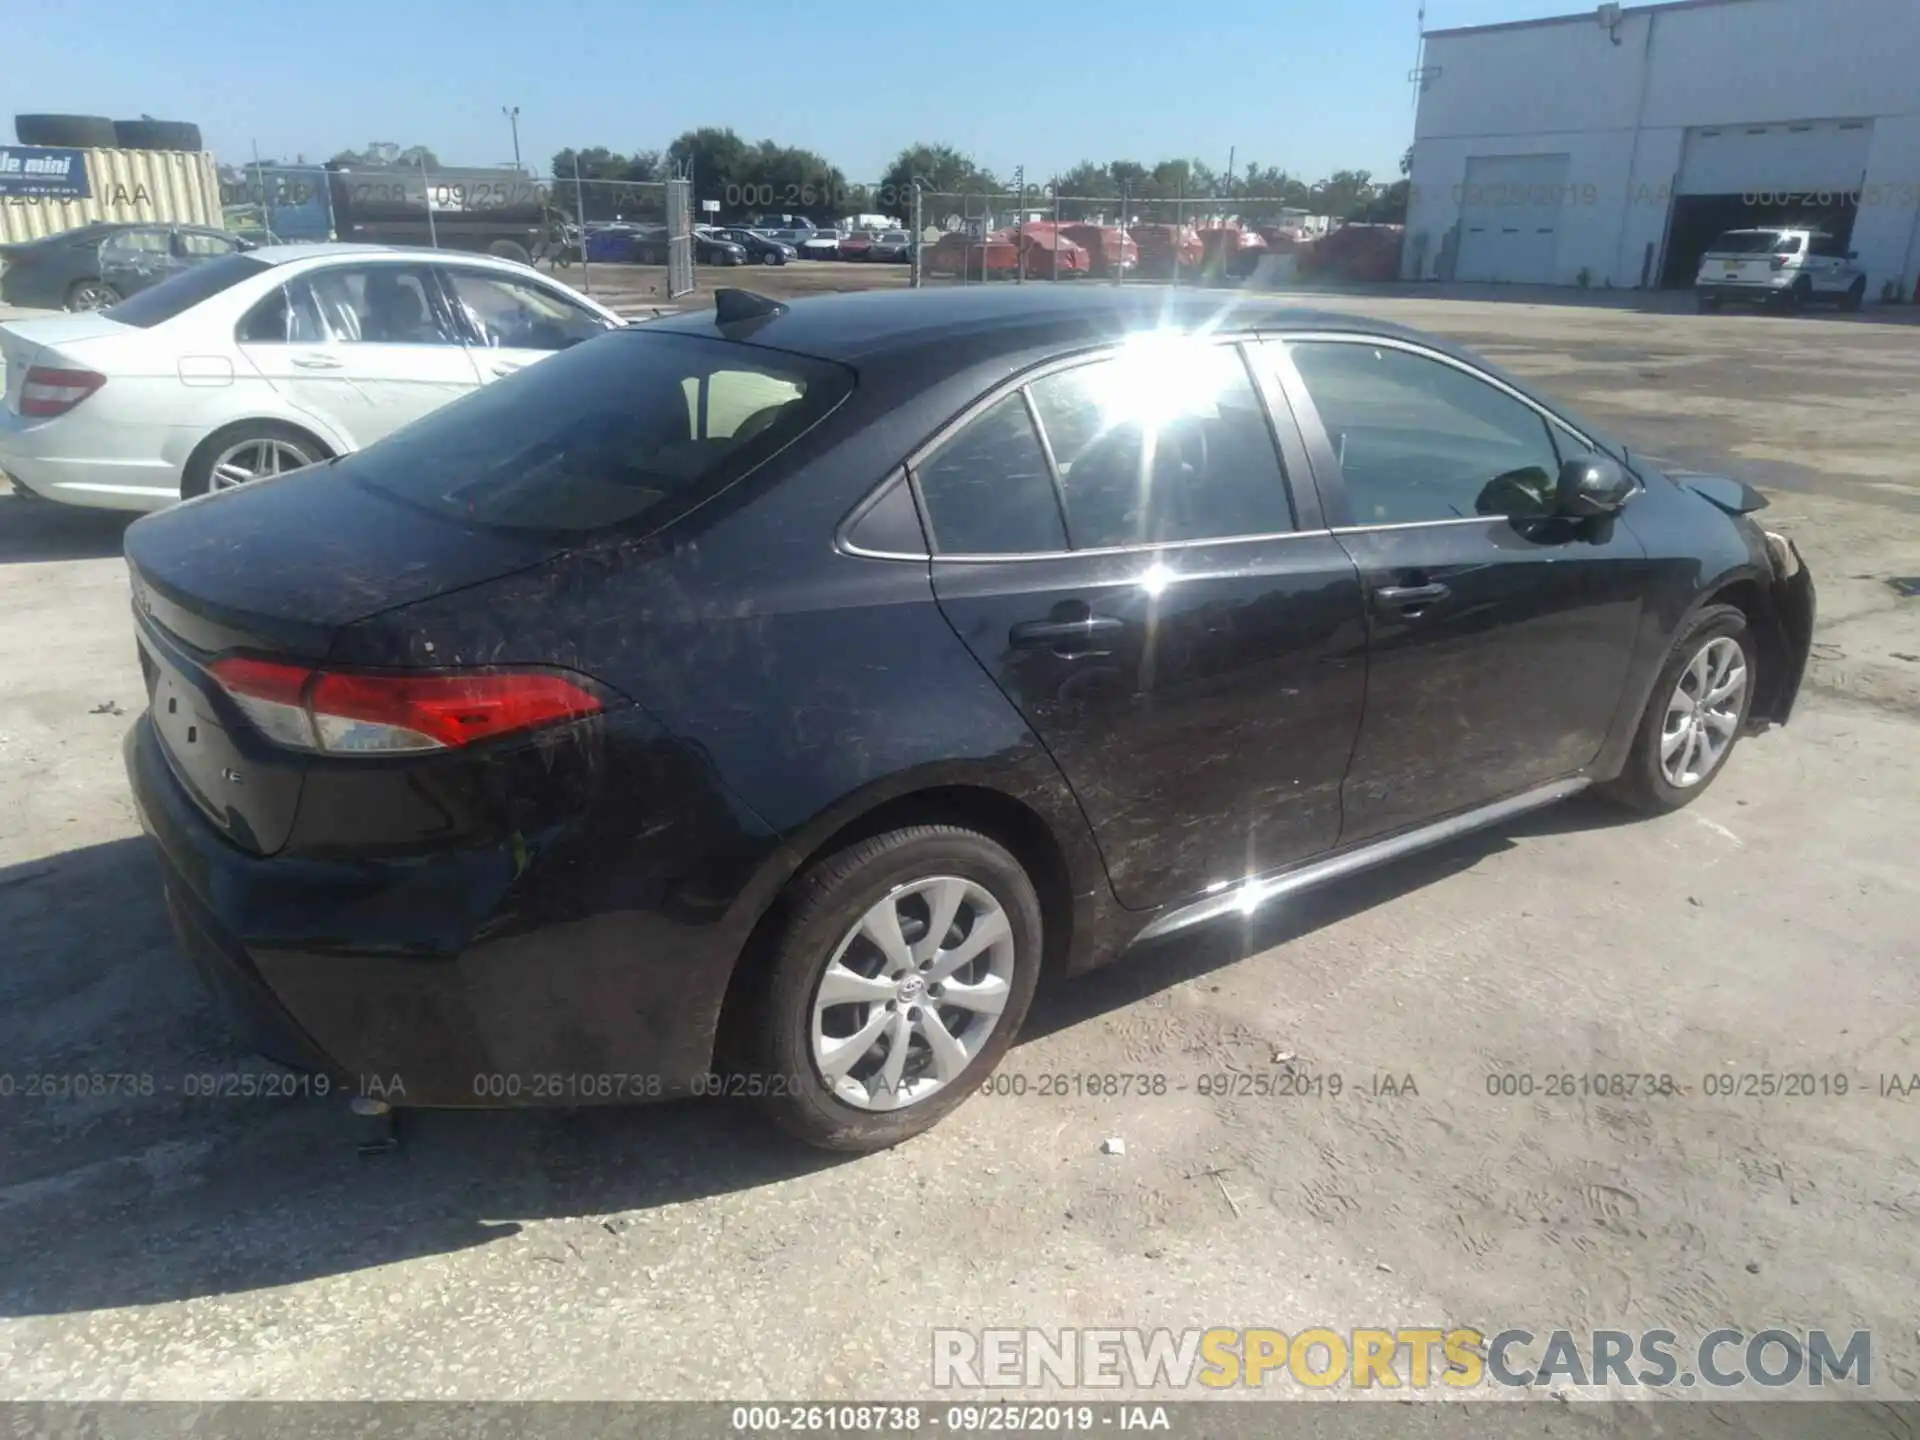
x=786 y=179
x=715 y=158
x=940 y=170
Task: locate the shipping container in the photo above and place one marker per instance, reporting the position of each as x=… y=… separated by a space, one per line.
x=122 y=187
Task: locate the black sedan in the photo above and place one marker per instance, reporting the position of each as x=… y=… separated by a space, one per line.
x=761 y=249
x=758 y=701
x=93 y=266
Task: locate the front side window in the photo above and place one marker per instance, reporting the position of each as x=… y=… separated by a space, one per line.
x=1166 y=441
x=633 y=429
x=987 y=490
x=505 y=313
x=1421 y=440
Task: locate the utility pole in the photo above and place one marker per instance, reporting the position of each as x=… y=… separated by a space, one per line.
x=513 y=118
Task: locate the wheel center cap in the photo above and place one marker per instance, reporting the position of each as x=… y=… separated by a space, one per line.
x=911 y=989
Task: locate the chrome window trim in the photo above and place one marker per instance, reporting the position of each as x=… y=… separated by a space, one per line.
x=1026 y=555
x=843 y=532
x=1290 y=338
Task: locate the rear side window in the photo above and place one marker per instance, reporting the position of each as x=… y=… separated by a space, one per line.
x=180 y=293
x=1163 y=443
x=987 y=490
x=631 y=426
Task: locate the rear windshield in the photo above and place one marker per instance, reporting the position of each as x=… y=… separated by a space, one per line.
x=182 y=292
x=1756 y=242
x=631 y=424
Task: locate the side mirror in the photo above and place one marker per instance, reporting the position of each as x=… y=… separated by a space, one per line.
x=1593 y=485
x=1853 y=254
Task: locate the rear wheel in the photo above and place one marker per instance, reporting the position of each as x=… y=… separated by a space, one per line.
x=510 y=250
x=1797 y=297
x=1709 y=304
x=1695 y=715
x=900 y=978
x=1856 y=295
x=251 y=450
x=91 y=295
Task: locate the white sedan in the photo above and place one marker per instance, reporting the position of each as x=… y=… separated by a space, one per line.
x=259 y=363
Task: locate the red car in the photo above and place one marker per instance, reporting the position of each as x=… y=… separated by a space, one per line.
x=1163 y=247
x=1109 y=248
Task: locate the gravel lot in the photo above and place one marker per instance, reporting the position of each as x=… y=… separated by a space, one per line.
x=167 y=1247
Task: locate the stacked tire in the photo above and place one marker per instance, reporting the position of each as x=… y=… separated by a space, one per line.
x=96 y=132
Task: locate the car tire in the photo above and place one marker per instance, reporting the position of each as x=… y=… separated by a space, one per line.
x=85 y=295
x=1797 y=296
x=196 y=478
x=1709 y=304
x=1855 y=296
x=66 y=132
x=510 y=250
x=157 y=135
x=1646 y=783
x=827 y=914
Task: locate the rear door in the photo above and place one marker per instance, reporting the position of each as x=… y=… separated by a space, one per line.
x=511 y=322
x=364 y=348
x=1500 y=633
x=1120 y=545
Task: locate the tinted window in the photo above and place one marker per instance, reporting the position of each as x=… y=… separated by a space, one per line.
x=1418 y=439
x=288 y=316
x=512 y=314
x=630 y=426
x=181 y=292
x=987 y=490
x=1167 y=443
x=1826 y=245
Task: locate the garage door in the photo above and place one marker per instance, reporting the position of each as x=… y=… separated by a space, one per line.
x=1510 y=212
x=1810 y=156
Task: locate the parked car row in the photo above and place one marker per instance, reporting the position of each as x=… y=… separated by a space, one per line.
x=91 y=266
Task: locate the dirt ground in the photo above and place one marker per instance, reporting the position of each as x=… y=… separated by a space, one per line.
x=168 y=1247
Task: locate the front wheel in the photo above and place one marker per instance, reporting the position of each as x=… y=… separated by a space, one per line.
x=1695 y=716
x=900 y=978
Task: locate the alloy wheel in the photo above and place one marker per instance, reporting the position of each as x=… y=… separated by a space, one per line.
x=912 y=993
x=1703 y=714
x=92 y=295
x=254 y=460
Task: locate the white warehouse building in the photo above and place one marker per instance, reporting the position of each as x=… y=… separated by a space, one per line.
x=1611 y=147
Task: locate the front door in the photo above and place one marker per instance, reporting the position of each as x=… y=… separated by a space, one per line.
x=1500 y=634
x=363 y=347
x=1120 y=548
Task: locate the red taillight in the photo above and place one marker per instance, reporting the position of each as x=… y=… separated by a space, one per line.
x=1779 y=262
x=48 y=391
x=349 y=713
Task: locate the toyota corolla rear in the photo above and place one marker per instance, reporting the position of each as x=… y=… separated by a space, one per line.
x=389 y=793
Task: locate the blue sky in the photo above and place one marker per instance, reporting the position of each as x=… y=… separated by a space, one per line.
x=1311 y=87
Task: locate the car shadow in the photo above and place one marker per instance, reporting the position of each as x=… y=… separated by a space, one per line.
x=131 y=1175
x=35 y=529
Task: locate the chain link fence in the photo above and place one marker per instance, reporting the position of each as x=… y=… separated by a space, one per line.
x=563 y=223
x=1038 y=235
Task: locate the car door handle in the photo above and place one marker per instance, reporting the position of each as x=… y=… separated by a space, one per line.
x=1409 y=599
x=316 y=362
x=1067 y=637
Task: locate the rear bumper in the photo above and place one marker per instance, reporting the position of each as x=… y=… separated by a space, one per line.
x=1739 y=290
x=421 y=980
x=36 y=454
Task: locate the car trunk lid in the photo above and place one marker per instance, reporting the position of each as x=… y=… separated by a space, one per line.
x=277 y=569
